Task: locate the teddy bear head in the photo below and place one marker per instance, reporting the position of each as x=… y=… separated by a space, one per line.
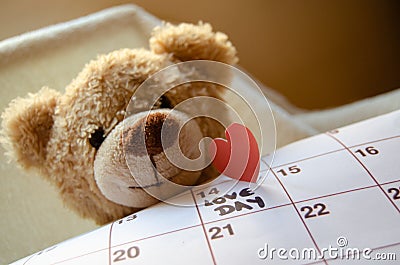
x=80 y=140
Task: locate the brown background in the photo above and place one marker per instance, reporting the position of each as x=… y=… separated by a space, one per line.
x=317 y=53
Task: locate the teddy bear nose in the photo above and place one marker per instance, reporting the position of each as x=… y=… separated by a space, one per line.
x=148 y=157
x=145 y=138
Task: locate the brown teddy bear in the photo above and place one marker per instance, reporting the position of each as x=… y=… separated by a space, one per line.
x=78 y=140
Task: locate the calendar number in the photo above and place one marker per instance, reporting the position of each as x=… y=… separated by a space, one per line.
x=317 y=209
x=122 y=254
x=290 y=170
x=396 y=193
x=370 y=150
x=212 y=191
x=219 y=232
x=128 y=219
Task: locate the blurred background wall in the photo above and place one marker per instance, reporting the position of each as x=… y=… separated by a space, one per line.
x=318 y=54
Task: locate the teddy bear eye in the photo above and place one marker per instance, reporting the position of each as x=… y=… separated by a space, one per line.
x=97 y=138
x=165 y=103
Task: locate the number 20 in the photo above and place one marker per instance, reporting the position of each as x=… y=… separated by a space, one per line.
x=130 y=253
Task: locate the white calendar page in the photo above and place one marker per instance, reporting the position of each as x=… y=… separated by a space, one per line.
x=338 y=191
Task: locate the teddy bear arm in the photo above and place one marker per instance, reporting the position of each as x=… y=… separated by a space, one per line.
x=193 y=42
x=26 y=126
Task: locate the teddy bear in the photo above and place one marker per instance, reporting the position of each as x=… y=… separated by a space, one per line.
x=79 y=140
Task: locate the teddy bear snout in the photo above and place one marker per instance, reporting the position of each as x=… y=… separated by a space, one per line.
x=148 y=131
x=132 y=164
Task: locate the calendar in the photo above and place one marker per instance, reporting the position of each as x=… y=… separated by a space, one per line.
x=333 y=198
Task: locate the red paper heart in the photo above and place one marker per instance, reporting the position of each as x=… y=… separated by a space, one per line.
x=238 y=156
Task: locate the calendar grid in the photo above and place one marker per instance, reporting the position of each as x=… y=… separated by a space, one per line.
x=369 y=142
x=390 y=182
x=166 y=233
x=295 y=202
x=365 y=168
x=157 y=235
x=125 y=243
x=109 y=243
x=284 y=194
x=304 y=159
x=299 y=215
x=233 y=217
x=79 y=256
x=292 y=202
x=299 y=201
x=331 y=152
x=377 y=184
x=204 y=229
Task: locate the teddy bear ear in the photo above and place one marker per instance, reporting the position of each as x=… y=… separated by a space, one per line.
x=193 y=42
x=26 y=126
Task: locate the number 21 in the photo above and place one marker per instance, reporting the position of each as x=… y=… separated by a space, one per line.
x=216 y=231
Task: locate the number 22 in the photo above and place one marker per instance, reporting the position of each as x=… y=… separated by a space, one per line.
x=396 y=193
x=318 y=206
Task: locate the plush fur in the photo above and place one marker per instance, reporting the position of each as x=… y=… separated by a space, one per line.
x=60 y=134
